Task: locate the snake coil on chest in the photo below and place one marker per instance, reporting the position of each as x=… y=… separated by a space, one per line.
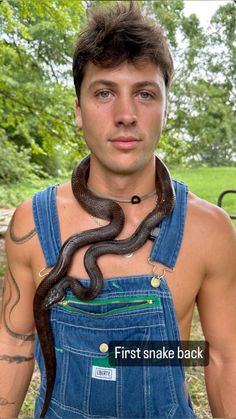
x=101 y=241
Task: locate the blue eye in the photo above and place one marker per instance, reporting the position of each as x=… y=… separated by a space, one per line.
x=145 y=95
x=104 y=94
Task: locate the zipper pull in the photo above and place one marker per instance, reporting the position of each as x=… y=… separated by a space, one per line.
x=63 y=302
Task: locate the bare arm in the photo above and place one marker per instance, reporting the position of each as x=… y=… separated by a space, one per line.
x=217 y=309
x=16 y=329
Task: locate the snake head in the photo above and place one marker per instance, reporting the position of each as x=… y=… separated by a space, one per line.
x=54 y=295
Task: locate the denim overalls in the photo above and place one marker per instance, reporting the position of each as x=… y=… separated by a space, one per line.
x=132 y=308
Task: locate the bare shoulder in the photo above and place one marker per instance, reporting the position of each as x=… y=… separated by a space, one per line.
x=21 y=231
x=22 y=222
x=22 y=226
x=213 y=230
x=208 y=216
x=68 y=208
x=65 y=195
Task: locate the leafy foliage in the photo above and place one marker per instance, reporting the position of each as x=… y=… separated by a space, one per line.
x=202 y=121
x=16 y=163
x=37 y=96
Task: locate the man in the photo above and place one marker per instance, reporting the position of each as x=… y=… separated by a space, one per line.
x=122 y=72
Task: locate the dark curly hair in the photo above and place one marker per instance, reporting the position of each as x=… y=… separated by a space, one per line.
x=117 y=34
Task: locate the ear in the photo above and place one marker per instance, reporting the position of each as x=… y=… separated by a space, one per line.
x=78 y=116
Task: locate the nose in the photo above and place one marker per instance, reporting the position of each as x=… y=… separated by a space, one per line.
x=125 y=112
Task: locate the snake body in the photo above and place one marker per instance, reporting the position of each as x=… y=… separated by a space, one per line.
x=102 y=240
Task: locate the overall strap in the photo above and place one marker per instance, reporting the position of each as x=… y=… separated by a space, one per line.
x=47 y=224
x=168 y=236
x=167 y=244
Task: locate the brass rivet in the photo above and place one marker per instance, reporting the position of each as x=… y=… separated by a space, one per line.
x=155 y=282
x=103 y=347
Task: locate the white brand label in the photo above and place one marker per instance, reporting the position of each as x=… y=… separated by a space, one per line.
x=103 y=373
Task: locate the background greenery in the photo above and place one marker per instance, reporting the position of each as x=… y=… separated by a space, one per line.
x=37 y=132
x=38 y=140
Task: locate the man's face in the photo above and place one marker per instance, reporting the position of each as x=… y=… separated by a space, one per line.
x=122 y=111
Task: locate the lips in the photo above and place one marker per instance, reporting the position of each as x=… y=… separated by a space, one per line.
x=125 y=143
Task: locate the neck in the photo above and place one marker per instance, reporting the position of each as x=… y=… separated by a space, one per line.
x=125 y=185
x=122 y=185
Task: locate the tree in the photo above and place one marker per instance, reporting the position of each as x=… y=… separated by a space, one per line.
x=201 y=125
x=36 y=95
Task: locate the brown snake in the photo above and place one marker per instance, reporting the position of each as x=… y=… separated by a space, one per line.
x=102 y=240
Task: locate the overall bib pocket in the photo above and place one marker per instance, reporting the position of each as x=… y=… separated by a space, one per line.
x=98 y=388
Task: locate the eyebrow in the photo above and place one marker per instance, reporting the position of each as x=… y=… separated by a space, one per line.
x=139 y=84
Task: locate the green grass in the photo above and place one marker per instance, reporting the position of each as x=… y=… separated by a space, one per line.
x=13 y=194
x=209 y=182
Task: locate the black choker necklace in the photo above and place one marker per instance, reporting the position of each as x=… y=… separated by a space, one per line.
x=135 y=199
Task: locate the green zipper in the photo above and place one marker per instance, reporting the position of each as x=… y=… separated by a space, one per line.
x=146 y=301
